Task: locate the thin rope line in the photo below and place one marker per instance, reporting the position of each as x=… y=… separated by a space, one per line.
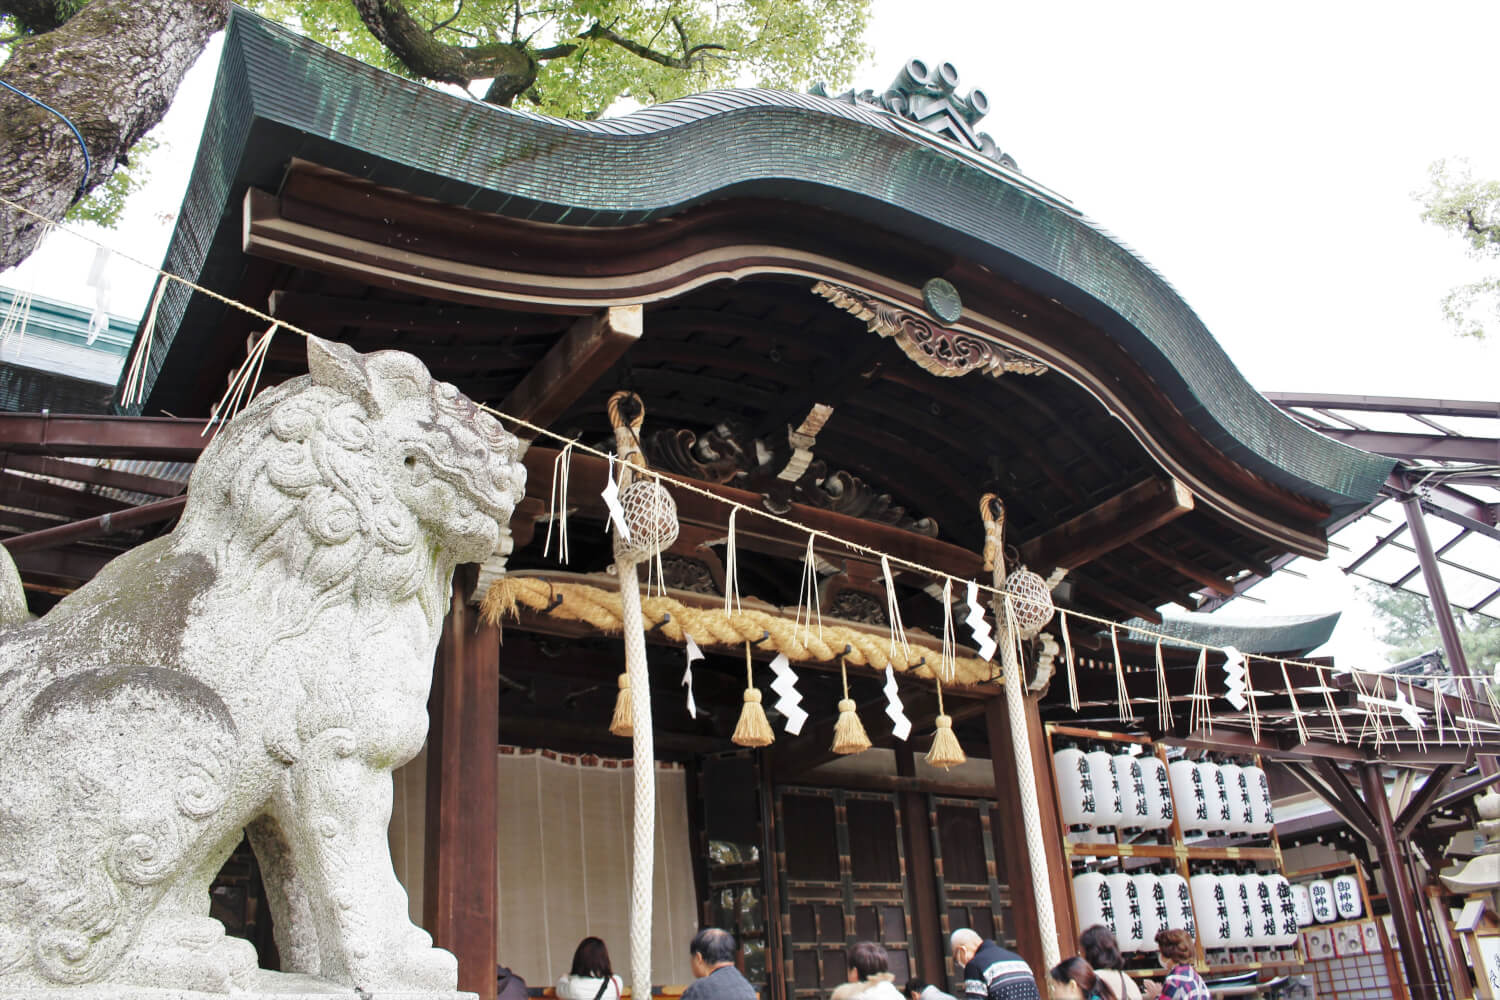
x=692 y=488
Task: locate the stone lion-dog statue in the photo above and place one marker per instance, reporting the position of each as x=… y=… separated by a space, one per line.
x=261 y=669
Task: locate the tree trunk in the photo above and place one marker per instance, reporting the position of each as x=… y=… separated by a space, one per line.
x=112 y=69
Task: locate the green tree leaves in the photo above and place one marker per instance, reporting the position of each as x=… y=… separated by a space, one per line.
x=1470 y=210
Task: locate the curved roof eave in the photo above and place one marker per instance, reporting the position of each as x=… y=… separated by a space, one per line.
x=797 y=147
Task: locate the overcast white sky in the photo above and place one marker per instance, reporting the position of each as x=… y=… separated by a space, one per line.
x=1263 y=157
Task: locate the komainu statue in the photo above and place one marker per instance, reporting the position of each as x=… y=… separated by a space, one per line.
x=261 y=669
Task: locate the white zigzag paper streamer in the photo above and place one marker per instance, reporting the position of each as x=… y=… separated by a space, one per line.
x=789 y=703
x=984 y=640
x=693 y=653
x=901 y=727
x=611 y=495
x=1234 y=679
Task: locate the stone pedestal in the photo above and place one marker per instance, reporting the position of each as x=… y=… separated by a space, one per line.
x=267 y=986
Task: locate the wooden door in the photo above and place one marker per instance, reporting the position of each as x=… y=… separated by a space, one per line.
x=843 y=879
x=970 y=890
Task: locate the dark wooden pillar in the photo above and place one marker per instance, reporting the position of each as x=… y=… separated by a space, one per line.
x=921 y=874
x=1399 y=891
x=460 y=899
x=1011 y=834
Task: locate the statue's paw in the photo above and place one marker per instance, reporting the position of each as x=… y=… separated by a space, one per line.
x=191 y=954
x=417 y=969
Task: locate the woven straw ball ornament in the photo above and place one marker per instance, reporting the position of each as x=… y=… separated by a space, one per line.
x=651 y=517
x=1031 y=600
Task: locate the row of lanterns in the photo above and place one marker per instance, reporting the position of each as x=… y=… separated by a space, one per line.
x=1249 y=910
x=1105 y=791
x=1134 y=906
x=1323 y=901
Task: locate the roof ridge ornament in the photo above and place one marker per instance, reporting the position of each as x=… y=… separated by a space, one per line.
x=928 y=97
x=937 y=349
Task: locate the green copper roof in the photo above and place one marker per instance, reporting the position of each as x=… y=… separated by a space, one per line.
x=1291 y=635
x=280 y=96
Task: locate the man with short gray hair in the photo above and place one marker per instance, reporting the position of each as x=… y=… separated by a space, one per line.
x=991 y=972
x=711 y=956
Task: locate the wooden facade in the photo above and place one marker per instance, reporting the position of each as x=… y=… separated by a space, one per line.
x=783 y=323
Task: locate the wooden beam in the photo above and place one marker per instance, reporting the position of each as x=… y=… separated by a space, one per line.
x=1352 y=813
x=1400 y=893
x=894 y=783
x=327 y=314
x=1121 y=519
x=573 y=365
x=460 y=902
x=1192 y=571
x=1421 y=803
x=166 y=439
x=106 y=524
x=921 y=873
x=1464 y=788
x=96 y=475
x=1115 y=598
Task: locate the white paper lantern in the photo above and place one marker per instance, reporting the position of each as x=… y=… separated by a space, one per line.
x=1237 y=792
x=1188 y=796
x=1302 y=903
x=1323 y=909
x=1075 y=788
x=1106 y=791
x=1264 y=908
x=1260 y=799
x=1346 y=898
x=1130 y=923
x=1179 y=903
x=1135 y=810
x=1158 y=792
x=1211 y=901
x=1213 y=792
x=1156 y=912
x=1241 y=910
x=1094 y=901
x=1287 y=918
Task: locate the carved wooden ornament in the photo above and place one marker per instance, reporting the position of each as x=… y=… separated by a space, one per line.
x=937 y=349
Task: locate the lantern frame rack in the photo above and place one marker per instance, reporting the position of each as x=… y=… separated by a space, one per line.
x=1392 y=966
x=1177 y=850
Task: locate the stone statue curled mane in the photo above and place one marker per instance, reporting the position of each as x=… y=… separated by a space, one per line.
x=260 y=670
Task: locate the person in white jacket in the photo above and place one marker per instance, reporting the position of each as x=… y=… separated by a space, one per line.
x=591 y=977
x=869 y=975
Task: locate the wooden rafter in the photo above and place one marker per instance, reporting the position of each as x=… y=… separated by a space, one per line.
x=1122 y=518
x=573 y=365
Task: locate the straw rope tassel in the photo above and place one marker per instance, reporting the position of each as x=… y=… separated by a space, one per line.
x=848 y=732
x=754 y=730
x=1068 y=654
x=945 y=750
x=992 y=511
x=1296 y=709
x=1164 y=717
x=1125 y=711
x=643 y=755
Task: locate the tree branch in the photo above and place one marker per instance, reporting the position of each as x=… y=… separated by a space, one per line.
x=684 y=61
x=1488 y=232
x=512 y=68
x=439 y=27
x=35 y=16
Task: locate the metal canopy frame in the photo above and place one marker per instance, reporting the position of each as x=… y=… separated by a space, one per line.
x=1450 y=454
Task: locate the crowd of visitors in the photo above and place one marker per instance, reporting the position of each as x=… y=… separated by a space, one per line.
x=989 y=971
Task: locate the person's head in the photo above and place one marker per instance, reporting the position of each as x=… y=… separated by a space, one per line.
x=1073 y=979
x=914 y=988
x=965 y=945
x=866 y=958
x=1100 y=948
x=591 y=960
x=711 y=949
x=1176 y=947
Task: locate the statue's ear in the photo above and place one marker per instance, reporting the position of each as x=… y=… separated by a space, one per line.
x=396 y=377
x=338 y=367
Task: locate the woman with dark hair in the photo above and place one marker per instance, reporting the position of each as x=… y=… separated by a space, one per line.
x=591 y=977
x=1103 y=953
x=1075 y=979
x=869 y=975
x=1177 y=954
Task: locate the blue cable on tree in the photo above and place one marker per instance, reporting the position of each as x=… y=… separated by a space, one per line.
x=66 y=121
